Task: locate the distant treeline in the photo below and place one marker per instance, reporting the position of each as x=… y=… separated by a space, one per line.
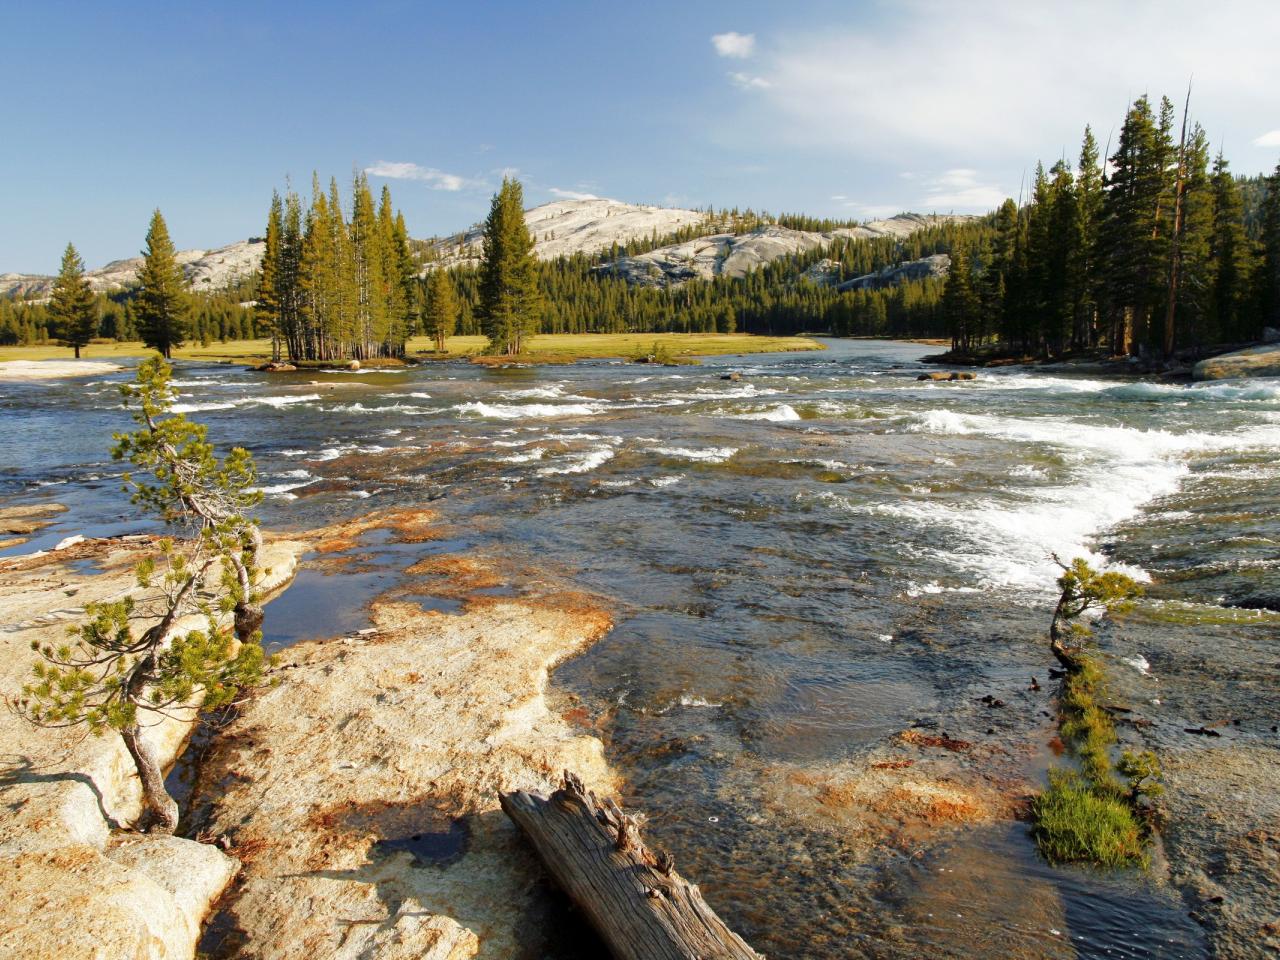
x=1155 y=250
x=214 y=316
x=1157 y=253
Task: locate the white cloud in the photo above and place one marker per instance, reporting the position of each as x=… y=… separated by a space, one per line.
x=954 y=83
x=571 y=194
x=960 y=189
x=731 y=44
x=437 y=179
x=1269 y=139
x=748 y=82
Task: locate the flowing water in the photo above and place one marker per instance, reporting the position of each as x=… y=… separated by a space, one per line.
x=802 y=564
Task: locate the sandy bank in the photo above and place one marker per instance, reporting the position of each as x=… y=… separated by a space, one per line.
x=361 y=791
x=74 y=883
x=54 y=369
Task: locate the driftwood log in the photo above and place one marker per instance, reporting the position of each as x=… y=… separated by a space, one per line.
x=633 y=898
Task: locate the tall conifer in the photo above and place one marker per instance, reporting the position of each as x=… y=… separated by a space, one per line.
x=1268 y=275
x=267 y=307
x=510 y=302
x=440 y=313
x=164 y=305
x=73 y=309
x=1229 y=249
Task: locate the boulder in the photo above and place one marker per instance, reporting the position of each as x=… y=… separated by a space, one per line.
x=943 y=376
x=734 y=377
x=353 y=365
x=1261 y=361
x=277 y=366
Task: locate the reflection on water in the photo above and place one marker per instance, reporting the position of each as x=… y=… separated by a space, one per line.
x=804 y=563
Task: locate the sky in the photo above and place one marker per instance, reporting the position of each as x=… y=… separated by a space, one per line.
x=849 y=109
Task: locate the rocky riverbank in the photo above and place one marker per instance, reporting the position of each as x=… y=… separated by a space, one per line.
x=77 y=882
x=361 y=792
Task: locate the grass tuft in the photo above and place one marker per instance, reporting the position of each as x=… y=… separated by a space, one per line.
x=1092 y=816
x=1076 y=823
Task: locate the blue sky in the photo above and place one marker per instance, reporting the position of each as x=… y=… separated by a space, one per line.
x=853 y=109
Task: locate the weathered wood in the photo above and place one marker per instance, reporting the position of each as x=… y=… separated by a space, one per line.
x=634 y=899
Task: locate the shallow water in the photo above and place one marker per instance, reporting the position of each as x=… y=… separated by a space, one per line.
x=802 y=563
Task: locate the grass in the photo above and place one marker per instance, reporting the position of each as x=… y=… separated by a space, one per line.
x=1075 y=823
x=549 y=348
x=1091 y=816
x=567 y=347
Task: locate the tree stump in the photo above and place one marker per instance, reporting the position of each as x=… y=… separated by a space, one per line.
x=634 y=898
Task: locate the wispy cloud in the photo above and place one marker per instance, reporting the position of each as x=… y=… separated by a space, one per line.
x=892 y=95
x=737 y=45
x=571 y=194
x=748 y=82
x=961 y=189
x=436 y=179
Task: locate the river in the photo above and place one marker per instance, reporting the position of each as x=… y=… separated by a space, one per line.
x=803 y=564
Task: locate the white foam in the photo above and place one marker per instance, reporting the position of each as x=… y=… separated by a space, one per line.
x=709 y=455
x=550 y=392
x=361 y=408
x=282 y=488
x=779 y=414
x=1139 y=663
x=286 y=400
x=500 y=411
x=537 y=453
x=661 y=482
x=1235 y=391
x=583 y=463
x=688 y=701
x=1006 y=540
x=201 y=407
x=835 y=466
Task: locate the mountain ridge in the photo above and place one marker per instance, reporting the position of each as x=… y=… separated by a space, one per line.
x=559 y=228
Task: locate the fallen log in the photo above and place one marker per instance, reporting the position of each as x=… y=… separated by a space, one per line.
x=633 y=898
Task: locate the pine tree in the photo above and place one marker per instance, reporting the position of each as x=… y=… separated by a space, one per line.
x=343 y=338
x=372 y=327
x=440 y=314
x=1130 y=251
x=1084 y=266
x=288 y=292
x=1192 y=292
x=73 y=309
x=1268 y=273
x=510 y=303
x=960 y=303
x=1229 y=249
x=267 y=306
x=113 y=678
x=164 y=305
x=316 y=282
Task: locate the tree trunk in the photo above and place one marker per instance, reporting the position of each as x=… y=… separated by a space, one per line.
x=635 y=900
x=77 y=346
x=154 y=794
